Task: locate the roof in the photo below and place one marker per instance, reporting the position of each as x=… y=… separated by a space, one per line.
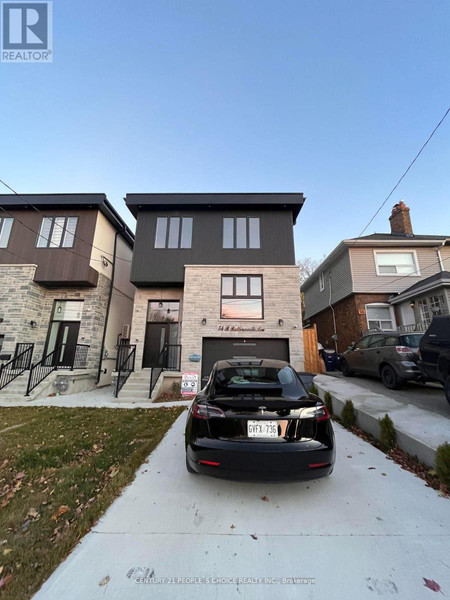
x=434 y=281
x=395 y=236
x=292 y=201
x=43 y=201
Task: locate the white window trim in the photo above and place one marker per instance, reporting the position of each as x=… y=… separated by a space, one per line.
x=394 y=251
x=391 y=312
x=322 y=281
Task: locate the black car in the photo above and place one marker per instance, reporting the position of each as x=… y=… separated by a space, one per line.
x=434 y=352
x=389 y=355
x=254 y=420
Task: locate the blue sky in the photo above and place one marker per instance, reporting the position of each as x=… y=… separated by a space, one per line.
x=330 y=98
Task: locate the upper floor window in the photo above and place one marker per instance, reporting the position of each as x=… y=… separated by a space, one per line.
x=242 y=297
x=241 y=232
x=57 y=232
x=321 y=282
x=173 y=232
x=396 y=263
x=5 y=231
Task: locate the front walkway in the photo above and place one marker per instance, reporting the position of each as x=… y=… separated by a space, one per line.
x=369 y=530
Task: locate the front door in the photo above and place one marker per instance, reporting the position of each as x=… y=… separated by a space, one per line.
x=157 y=335
x=63 y=339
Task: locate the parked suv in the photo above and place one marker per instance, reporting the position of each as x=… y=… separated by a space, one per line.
x=389 y=355
x=434 y=352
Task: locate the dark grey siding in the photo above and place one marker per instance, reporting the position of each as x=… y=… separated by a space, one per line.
x=165 y=266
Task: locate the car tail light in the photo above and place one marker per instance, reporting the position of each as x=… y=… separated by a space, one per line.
x=420 y=354
x=320 y=413
x=317 y=465
x=403 y=350
x=210 y=463
x=203 y=411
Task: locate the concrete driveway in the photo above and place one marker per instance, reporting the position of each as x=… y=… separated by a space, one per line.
x=370 y=530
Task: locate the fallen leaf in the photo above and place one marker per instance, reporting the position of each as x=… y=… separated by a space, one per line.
x=7 y=551
x=61 y=511
x=20 y=475
x=432 y=585
x=265 y=498
x=1 y=569
x=105 y=580
x=253 y=536
x=113 y=472
x=33 y=513
x=5 y=580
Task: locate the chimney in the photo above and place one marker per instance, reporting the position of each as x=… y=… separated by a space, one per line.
x=400 y=220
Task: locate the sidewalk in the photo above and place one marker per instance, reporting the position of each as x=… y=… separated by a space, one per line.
x=419 y=432
x=98 y=398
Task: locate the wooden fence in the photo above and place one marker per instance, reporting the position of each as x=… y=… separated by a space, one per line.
x=313 y=361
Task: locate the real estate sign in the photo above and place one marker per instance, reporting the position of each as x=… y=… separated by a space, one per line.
x=189 y=383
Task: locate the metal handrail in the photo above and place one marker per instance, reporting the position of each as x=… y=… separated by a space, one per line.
x=169 y=359
x=126 y=367
x=16 y=366
x=42 y=369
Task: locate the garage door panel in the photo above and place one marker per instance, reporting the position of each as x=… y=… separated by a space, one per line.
x=215 y=349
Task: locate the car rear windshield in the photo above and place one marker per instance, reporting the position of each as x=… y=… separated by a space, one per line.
x=267 y=381
x=411 y=340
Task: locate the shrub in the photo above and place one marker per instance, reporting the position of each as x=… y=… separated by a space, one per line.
x=443 y=463
x=313 y=390
x=329 y=403
x=175 y=388
x=348 y=414
x=387 y=433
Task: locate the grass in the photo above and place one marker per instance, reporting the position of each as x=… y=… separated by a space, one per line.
x=59 y=471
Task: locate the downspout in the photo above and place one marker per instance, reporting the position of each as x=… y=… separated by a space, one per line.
x=438 y=252
x=108 y=306
x=334 y=316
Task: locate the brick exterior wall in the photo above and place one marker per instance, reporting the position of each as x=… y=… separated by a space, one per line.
x=350 y=317
x=22 y=300
x=281 y=288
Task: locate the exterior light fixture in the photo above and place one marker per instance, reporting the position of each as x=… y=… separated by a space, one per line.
x=204 y=321
x=59 y=309
x=280 y=322
x=33 y=324
x=412 y=304
x=160 y=305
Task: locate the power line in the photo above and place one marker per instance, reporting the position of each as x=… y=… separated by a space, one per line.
x=404 y=174
x=57 y=224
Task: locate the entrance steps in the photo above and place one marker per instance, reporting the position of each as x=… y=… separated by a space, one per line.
x=79 y=380
x=137 y=387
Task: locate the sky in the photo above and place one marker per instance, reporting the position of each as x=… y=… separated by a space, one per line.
x=330 y=98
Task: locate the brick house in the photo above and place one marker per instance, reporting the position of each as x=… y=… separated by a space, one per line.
x=216 y=278
x=65 y=290
x=383 y=280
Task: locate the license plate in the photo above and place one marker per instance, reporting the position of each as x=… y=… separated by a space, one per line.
x=262 y=429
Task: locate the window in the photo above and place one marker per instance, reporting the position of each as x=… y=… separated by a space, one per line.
x=363 y=342
x=380 y=316
x=241 y=232
x=160 y=311
x=5 y=230
x=57 y=232
x=2 y=337
x=321 y=282
x=242 y=297
x=173 y=232
x=396 y=263
x=376 y=341
x=424 y=311
x=265 y=381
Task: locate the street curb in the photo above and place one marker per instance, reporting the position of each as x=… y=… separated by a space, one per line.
x=418 y=432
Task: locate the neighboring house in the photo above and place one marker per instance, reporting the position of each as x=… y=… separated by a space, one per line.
x=383 y=280
x=65 y=262
x=216 y=278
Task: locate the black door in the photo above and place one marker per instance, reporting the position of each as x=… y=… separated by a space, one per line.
x=215 y=349
x=156 y=337
x=66 y=343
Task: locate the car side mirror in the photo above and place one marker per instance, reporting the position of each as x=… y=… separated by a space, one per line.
x=352 y=346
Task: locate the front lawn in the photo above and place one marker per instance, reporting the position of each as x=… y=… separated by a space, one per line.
x=60 y=468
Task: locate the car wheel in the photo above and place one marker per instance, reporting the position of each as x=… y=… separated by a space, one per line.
x=390 y=378
x=189 y=468
x=346 y=371
x=447 y=389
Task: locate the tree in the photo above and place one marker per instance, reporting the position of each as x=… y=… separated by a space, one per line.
x=307 y=266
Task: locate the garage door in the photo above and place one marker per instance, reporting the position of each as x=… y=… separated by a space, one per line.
x=215 y=349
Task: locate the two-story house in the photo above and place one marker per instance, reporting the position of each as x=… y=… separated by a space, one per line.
x=383 y=280
x=65 y=291
x=216 y=278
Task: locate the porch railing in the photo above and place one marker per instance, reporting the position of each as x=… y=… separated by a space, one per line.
x=49 y=363
x=127 y=353
x=412 y=328
x=169 y=360
x=17 y=365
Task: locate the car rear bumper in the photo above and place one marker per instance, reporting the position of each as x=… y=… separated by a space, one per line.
x=408 y=369
x=246 y=461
